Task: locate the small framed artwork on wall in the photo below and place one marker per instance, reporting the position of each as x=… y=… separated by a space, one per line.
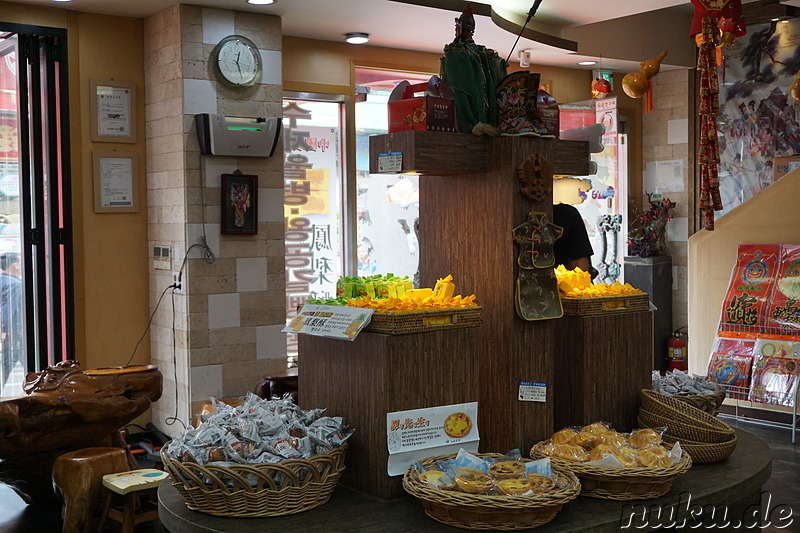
x=239 y=204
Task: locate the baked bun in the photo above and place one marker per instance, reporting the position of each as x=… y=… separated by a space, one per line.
x=563 y=436
x=584 y=439
x=654 y=457
x=473 y=480
x=541 y=483
x=514 y=487
x=507 y=469
x=596 y=428
x=611 y=437
x=627 y=456
x=600 y=451
x=570 y=452
x=645 y=437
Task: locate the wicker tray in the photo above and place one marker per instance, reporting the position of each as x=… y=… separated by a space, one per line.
x=671 y=408
x=686 y=428
x=611 y=483
x=251 y=490
x=626 y=303
x=422 y=321
x=710 y=403
x=490 y=512
x=706 y=452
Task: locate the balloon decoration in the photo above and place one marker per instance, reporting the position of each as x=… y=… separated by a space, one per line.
x=600 y=88
x=715 y=23
x=638 y=84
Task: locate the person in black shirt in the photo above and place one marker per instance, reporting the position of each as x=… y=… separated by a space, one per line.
x=573 y=249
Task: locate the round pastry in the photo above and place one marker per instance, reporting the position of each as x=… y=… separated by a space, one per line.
x=216 y=454
x=596 y=428
x=600 y=451
x=613 y=438
x=584 y=439
x=514 y=487
x=627 y=456
x=654 y=457
x=473 y=480
x=457 y=425
x=548 y=447
x=431 y=477
x=507 y=469
x=563 y=436
x=570 y=452
x=540 y=483
x=645 y=437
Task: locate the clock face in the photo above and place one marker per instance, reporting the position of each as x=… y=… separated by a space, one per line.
x=238 y=61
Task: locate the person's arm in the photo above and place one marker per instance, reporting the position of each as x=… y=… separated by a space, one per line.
x=582 y=262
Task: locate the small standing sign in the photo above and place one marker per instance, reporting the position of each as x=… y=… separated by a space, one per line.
x=332 y=321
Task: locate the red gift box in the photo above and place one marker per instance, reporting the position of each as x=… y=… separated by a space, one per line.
x=432 y=111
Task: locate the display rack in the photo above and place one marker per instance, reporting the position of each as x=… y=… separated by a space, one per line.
x=744 y=397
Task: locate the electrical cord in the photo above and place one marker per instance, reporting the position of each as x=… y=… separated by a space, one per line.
x=149 y=322
x=174 y=418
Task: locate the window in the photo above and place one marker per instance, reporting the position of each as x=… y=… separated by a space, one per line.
x=35 y=236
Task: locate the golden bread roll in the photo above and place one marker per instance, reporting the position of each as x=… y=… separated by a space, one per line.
x=596 y=428
x=584 y=439
x=654 y=457
x=540 y=483
x=473 y=480
x=507 y=469
x=514 y=487
x=645 y=437
x=600 y=451
x=570 y=452
x=627 y=456
x=612 y=437
x=563 y=436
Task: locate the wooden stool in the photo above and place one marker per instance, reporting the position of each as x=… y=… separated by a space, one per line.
x=78 y=480
x=137 y=487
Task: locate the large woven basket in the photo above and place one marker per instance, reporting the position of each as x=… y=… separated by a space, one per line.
x=686 y=428
x=706 y=452
x=490 y=512
x=670 y=408
x=266 y=489
x=611 y=483
x=710 y=403
x=402 y=323
x=604 y=305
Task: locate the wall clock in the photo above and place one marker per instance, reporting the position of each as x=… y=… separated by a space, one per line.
x=237 y=61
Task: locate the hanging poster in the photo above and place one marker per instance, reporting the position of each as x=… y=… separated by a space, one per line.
x=750 y=285
x=784 y=304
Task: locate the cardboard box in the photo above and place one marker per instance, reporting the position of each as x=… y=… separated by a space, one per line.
x=784 y=165
x=434 y=110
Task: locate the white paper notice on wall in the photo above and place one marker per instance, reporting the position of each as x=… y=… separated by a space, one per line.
x=664 y=176
x=532 y=391
x=678 y=131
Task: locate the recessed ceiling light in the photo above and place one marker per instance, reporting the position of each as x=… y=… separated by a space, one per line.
x=261 y=2
x=62 y=0
x=357 y=37
x=587 y=63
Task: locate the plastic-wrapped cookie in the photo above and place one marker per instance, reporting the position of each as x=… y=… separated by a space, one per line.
x=563 y=436
x=627 y=456
x=654 y=457
x=584 y=439
x=431 y=477
x=473 y=480
x=600 y=451
x=613 y=438
x=541 y=483
x=645 y=437
x=596 y=428
x=571 y=452
x=507 y=469
x=514 y=487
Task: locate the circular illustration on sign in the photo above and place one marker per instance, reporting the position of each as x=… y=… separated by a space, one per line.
x=755 y=272
x=457 y=425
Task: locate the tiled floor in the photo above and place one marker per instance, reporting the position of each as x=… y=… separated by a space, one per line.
x=783 y=486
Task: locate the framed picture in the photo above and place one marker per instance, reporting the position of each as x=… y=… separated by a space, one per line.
x=115 y=182
x=239 y=204
x=113 y=111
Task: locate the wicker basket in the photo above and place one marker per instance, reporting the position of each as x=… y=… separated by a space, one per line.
x=705 y=452
x=685 y=428
x=490 y=512
x=626 y=303
x=422 y=321
x=611 y=483
x=670 y=408
x=252 y=490
x=710 y=403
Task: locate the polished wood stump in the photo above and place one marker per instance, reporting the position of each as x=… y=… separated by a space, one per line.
x=376 y=374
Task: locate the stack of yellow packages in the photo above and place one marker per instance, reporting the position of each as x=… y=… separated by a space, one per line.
x=578 y=284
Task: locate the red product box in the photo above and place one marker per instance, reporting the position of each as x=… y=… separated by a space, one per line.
x=432 y=111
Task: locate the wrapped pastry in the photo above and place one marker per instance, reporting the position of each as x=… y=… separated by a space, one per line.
x=514 y=487
x=473 y=481
x=654 y=457
x=541 y=484
x=584 y=439
x=570 y=452
x=563 y=436
x=645 y=437
x=596 y=428
x=627 y=456
x=613 y=438
x=432 y=477
x=507 y=469
x=600 y=451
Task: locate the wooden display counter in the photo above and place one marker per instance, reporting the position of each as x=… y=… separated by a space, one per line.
x=376 y=374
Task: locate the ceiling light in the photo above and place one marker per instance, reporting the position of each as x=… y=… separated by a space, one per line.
x=357 y=37
x=62 y=0
x=261 y=2
x=587 y=63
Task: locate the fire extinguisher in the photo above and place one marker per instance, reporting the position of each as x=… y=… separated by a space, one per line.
x=677 y=356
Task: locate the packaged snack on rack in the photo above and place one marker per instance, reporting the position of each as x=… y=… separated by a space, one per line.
x=750 y=285
x=731 y=362
x=775 y=370
x=783 y=312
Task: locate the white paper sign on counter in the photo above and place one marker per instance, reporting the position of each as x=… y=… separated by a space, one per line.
x=422 y=433
x=333 y=321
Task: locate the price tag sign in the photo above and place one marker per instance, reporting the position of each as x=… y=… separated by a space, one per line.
x=390 y=162
x=333 y=321
x=532 y=391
